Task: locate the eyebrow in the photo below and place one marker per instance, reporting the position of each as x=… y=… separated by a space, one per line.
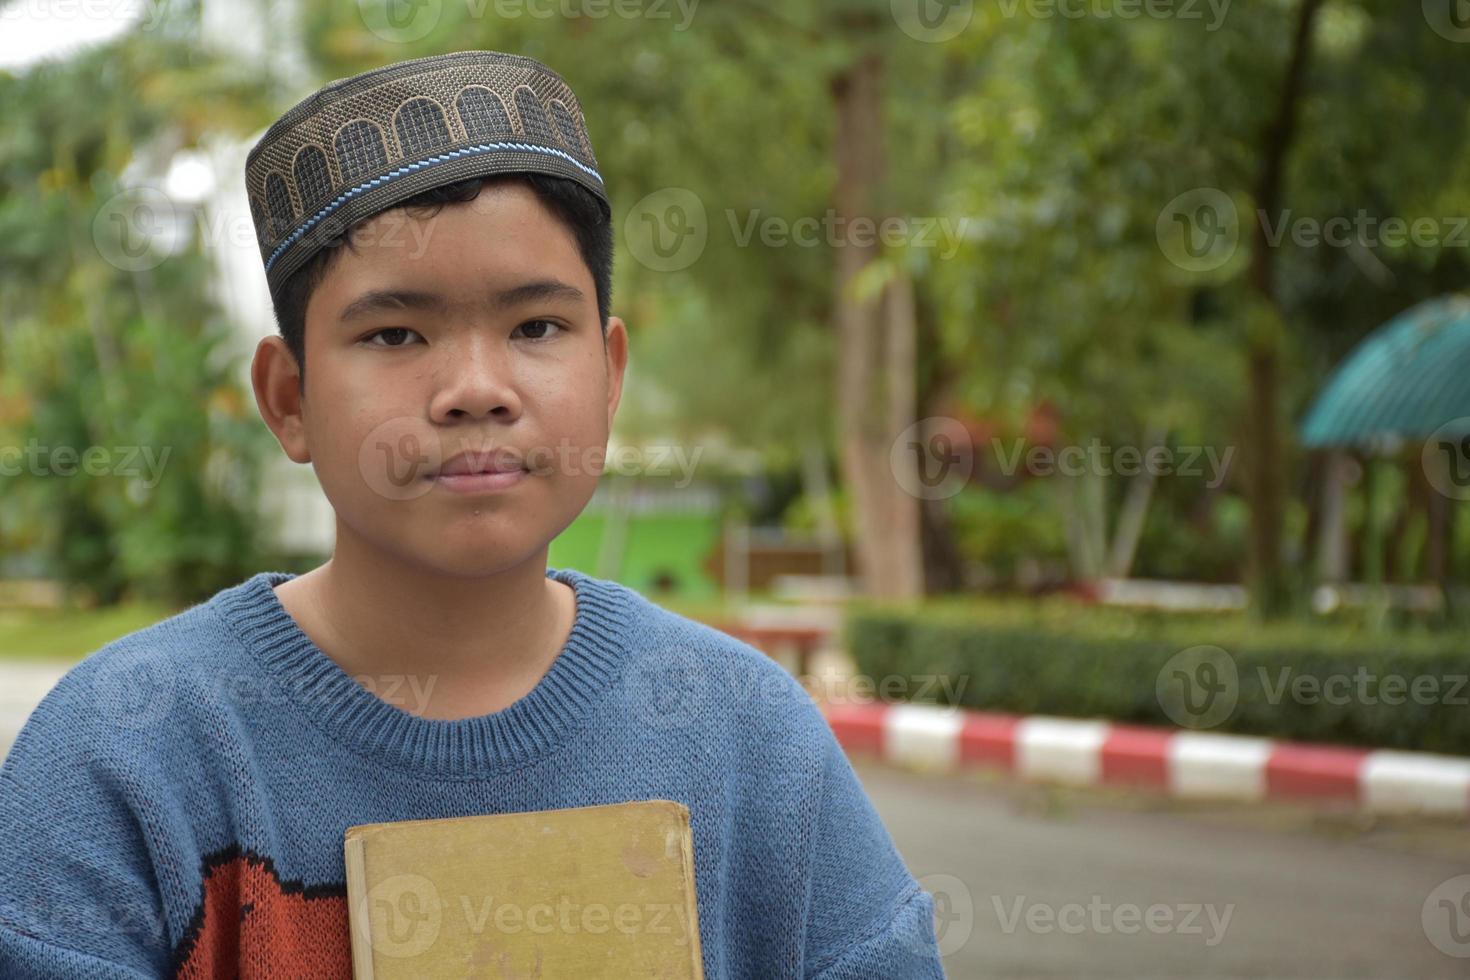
x=383 y=300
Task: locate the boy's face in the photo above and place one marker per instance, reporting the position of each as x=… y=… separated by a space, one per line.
x=473 y=330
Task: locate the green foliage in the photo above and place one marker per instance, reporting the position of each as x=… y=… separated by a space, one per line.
x=1052 y=144
x=1003 y=529
x=132 y=462
x=1295 y=680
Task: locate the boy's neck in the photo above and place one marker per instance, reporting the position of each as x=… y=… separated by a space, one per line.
x=471 y=645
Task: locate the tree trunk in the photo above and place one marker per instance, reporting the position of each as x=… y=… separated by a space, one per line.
x=1128 y=529
x=1265 y=479
x=1437 y=552
x=875 y=399
x=818 y=490
x=1332 y=551
x=1083 y=501
x=944 y=562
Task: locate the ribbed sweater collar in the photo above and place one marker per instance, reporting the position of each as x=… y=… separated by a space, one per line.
x=350 y=713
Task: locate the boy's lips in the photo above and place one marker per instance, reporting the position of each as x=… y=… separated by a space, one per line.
x=480 y=482
x=503 y=460
x=482 y=472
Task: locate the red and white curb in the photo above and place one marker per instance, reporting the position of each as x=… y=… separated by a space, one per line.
x=1178 y=762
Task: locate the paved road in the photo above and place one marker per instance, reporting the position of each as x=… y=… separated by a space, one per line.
x=22 y=685
x=1040 y=882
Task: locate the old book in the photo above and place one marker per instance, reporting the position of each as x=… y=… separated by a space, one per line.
x=596 y=891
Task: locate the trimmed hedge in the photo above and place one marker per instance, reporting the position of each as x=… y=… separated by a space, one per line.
x=1299 y=681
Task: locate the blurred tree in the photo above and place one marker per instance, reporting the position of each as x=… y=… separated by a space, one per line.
x=133 y=461
x=1053 y=147
x=1079 y=137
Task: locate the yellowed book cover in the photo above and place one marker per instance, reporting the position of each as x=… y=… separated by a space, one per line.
x=582 y=892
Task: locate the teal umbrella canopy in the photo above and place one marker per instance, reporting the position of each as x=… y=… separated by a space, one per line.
x=1407 y=380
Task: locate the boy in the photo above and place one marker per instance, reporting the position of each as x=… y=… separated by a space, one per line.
x=437 y=242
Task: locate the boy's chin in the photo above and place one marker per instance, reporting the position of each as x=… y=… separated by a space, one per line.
x=475 y=553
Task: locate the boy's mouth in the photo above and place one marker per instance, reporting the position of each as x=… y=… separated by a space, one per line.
x=478 y=472
x=501 y=460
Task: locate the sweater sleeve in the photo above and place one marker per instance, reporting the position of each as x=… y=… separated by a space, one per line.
x=24 y=956
x=867 y=917
x=78 y=896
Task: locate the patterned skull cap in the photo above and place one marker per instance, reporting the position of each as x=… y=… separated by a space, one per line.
x=360 y=145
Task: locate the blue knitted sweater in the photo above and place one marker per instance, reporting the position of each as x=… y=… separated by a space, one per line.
x=176 y=805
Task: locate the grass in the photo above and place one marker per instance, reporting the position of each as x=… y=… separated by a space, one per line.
x=70 y=634
x=672 y=543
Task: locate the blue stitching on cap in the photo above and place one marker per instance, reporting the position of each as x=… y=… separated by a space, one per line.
x=385 y=178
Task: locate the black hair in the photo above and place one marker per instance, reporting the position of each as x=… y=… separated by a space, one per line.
x=575 y=206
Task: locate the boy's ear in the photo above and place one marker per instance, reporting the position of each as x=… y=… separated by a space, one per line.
x=278 y=395
x=617 y=363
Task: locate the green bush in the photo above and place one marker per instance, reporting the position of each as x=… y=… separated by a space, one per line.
x=1297 y=681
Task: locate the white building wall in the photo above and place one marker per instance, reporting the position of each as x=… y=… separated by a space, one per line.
x=263 y=33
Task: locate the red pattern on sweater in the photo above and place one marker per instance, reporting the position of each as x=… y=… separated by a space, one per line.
x=285 y=929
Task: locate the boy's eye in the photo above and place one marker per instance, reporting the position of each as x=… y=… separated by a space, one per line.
x=403 y=336
x=540 y=329
x=391 y=337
